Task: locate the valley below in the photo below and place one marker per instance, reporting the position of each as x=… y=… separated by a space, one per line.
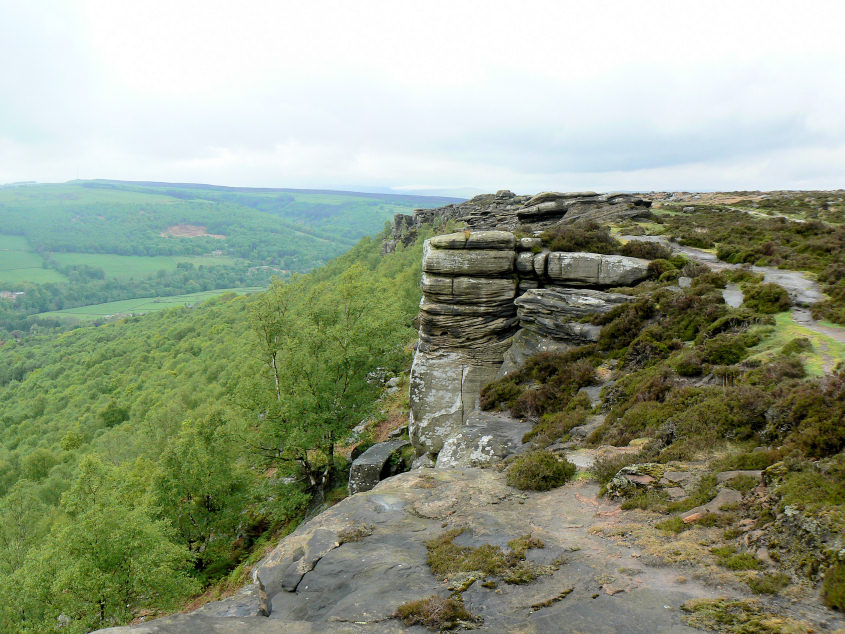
x=571 y=412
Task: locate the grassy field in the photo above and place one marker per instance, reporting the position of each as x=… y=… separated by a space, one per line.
x=19 y=263
x=825 y=351
x=144 y=304
x=137 y=266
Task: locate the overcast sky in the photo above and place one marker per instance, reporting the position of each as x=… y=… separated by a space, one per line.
x=410 y=96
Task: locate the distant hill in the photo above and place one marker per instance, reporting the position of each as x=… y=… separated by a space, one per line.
x=67 y=245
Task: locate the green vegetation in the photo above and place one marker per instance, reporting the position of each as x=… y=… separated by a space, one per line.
x=595 y=238
x=539 y=471
x=144 y=305
x=817 y=245
x=768 y=583
x=741 y=616
x=129 y=266
x=92 y=242
x=445 y=558
x=727 y=557
x=560 y=376
x=161 y=438
x=833 y=587
x=766 y=298
x=435 y=613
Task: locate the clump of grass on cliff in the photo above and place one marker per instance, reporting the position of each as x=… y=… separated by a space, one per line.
x=539 y=471
x=436 y=613
x=591 y=237
x=445 y=557
x=741 y=616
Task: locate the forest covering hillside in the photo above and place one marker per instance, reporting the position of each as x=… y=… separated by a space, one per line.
x=149 y=462
x=84 y=243
x=134 y=456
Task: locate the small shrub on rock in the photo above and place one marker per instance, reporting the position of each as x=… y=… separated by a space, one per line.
x=581 y=236
x=688 y=363
x=766 y=298
x=539 y=471
x=768 y=584
x=435 y=613
x=645 y=250
x=797 y=346
x=604 y=469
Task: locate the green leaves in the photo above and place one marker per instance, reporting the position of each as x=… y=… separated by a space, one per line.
x=101 y=562
x=318 y=343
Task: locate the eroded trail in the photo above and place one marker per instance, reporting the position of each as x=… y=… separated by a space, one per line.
x=802 y=290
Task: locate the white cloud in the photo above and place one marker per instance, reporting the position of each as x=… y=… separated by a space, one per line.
x=529 y=95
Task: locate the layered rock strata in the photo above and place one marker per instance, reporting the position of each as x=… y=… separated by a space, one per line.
x=506 y=210
x=488 y=297
x=467 y=317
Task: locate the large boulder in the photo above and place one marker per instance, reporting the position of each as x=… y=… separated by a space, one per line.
x=380 y=461
x=484 y=439
x=594 y=269
x=485 y=262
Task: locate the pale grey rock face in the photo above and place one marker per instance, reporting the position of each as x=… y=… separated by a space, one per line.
x=484 y=439
x=504 y=240
x=619 y=270
x=529 y=243
x=553 y=312
x=594 y=269
x=467 y=261
x=491 y=240
x=372 y=466
x=344 y=586
x=574 y=268
x=540 y=261
x=444 y=332
x=445 y=389
x=525 y=263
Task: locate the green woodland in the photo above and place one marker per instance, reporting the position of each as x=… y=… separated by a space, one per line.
x=82 y=243
x=147 y=463
x=146 y=460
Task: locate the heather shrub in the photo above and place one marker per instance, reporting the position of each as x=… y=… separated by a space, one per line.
x=766 y=298
x=539 y=471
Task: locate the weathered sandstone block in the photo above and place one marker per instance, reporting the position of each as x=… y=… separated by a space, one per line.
x=594 y=269
x=467 y=261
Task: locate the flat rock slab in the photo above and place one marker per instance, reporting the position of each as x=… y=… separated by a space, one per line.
x=368 y=469
x=475 y=240
x=355 y=587
x=467 y=261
